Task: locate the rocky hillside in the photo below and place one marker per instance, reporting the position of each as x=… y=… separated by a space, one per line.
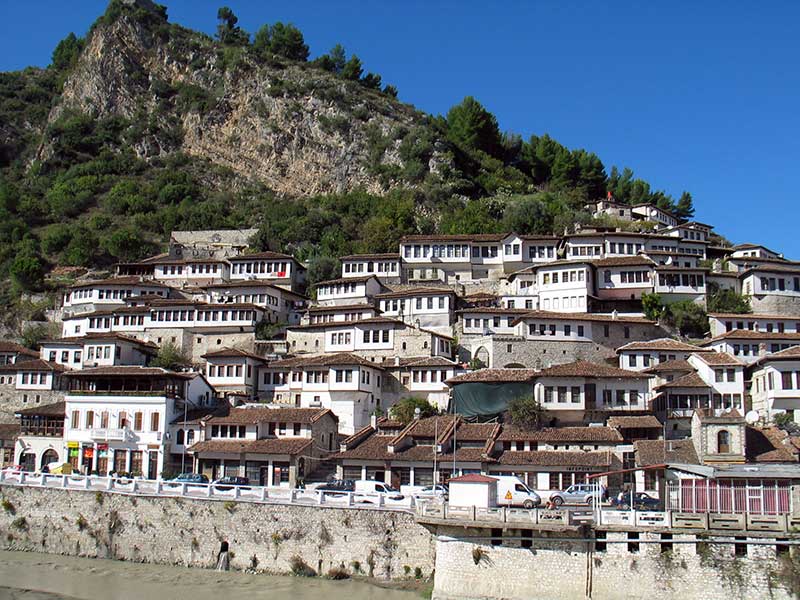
x=298 y=130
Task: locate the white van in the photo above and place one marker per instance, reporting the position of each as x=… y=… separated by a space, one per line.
x=368 y=486
x=512 y=491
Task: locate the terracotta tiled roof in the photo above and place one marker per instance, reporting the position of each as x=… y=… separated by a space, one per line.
x=56 y=409
x=747 y=334
x=130 y=371
x=346 y=280
x=385 y=256
x=325 y=360
x=473 y=478
x=692 y=380
x=543 y=315
x=635 y=422
x=767 y=445
x=342 y=308
x=679 y=365
x=555 y=458
x=659 y=452
x=495 y=376
x=261 y=255
x=792 y=353
x=750 y=316
x=560 y=434
x=707 y=415
x=233 y=352
x=466 y=237
x=132 y=280
x=90 y=337
x=249 y=416
x=417 y=291
x=494 y=310
x=36 y=364
x=266 y=446
x=666 y=344
x=334 y=324
x=418 y=361
x=719 y=359
x=13 y=347
x=624 y=261
x=587 y=369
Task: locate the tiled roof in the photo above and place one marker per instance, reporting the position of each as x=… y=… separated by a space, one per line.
x=719 y=359
x=417 y=291
x=555 y=458
x=260 y=255
x=473 y=478
x=635 y=422
x=385 y=256
x=767 y=445
x=659 y=452
x=346 y=280
x=679 y=365
x=560 y=434
x=342 y=308
x=792 y=353
x=692 y=380
x=249 y=416
x=667 y=344
x=748 y=334
x=545 y=315
x=495 y=376
x=14 y=348
x=325 y=360
x=587 y=369
x=331 y=324
x=56 y=409
x=751 y=316
x=90 y=337
x=466 y=237
x=37 y=364
x=376 y=447
x=708 y=415
x=132 y=280
x=232 y=352
x=130 y=371
x=624 y=261
x=266 y=446
x=493 y=310
x=418 y=361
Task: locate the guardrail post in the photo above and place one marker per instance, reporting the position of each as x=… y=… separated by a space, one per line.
x=236 y=492
x=264 y=494
x=63 y=481
x=2 y=476
x=43 y=480
x=209 y=490
x=504 y=514
x=159 y=485
x=135 y=486
x=22 y=477
x=320 y=497
x=87 y=483
x=183 y=489
x=474 y=513
x=292 y=496
x=109 y=483
x=349 y=499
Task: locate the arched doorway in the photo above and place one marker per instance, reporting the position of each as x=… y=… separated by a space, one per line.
x=481 y=357
x=723 y=442
x=514 y=366
x=49 y=456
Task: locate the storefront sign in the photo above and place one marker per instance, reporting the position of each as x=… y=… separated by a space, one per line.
x=88 y=452
x=102 y=446
x=73 y=445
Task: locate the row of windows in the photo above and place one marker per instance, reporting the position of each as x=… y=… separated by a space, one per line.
x=780 y=284
x=331 y=318
x=279 y=268
x=495 y=322
x=551 y=329
x=680 y=279
x=624 y=248
x=565 y=276
x=103 y=420
x=790 y=380
x=564 y=302
x=34 y=378
x=585 y=250
x=254 y=299
x=200 y=315
x=102 y=352
x=425 y=376
x=228 y=370
x=647 y=358
x=780 y=326
x=439 y=251
x=228 y=431
x=371 y=267
x=341 y=338
x=376 y=336
x=628 y=276
x=339 y=288
x=430 y=303
x=76 y=356
x=723 y=375
x=539 y=252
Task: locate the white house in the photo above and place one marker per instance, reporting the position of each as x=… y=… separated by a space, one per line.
x=430 y=308
x=117 y=417
x=40 y=440
x=387 y=267
x=348 y=290
x=640 y=355
x=775 y=384
x=281 y=270
x=565 y=286
x=233 y=371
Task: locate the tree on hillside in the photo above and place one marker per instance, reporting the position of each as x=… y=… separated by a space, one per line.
x=473 y=127
x=684 y=209
x=322 y=268
x=652 y=307
x=405 y=410
x=726 y=301
x=352 y=69
x=688 y=317
x=333 y=61
x=526 y=413
x=170 y=357
x=27 y=269
x=66 y=53
x=281 y=40
x=227 y=31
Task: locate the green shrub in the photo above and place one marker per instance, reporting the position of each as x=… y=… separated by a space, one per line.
x=300 y=568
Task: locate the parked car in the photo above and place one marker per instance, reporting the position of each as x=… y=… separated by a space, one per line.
x=190 y=478
x=580 y=493
x=227 y=483
x=368 y=486
x=337 y=487
x=512 y=491
x=438 y=491
x=641 y=501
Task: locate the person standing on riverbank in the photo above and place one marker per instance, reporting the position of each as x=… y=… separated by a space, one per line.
x=223 y=561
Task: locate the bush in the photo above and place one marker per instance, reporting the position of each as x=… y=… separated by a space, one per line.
x=338 y=573
x=300 y=568
x=526 y=413
x=8 y=506
x=405 y=410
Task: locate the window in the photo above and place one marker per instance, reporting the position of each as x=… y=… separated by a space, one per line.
x=137 y=421
x=723 y=442
x=154 y=418
x=575 y=394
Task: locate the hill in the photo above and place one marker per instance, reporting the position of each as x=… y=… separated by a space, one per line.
x=144 y=126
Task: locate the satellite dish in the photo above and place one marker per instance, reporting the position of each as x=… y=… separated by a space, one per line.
x=752 y=417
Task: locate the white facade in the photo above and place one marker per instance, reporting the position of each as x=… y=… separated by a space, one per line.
x=565 y=287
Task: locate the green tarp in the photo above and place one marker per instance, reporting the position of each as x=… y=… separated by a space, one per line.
x=485 y=399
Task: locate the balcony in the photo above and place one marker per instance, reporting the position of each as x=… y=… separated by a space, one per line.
x=121 y=434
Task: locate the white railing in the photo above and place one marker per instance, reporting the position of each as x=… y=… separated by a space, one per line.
x=250 y=493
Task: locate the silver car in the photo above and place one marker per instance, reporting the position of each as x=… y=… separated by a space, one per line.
x=580 y=493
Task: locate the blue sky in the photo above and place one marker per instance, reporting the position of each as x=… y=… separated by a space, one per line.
x=697 y=96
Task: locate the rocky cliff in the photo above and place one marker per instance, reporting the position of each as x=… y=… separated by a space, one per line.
x=297 y=129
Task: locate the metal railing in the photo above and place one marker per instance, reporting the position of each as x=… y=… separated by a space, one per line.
x=226 y=492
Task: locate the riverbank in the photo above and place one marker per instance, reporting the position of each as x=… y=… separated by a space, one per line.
x=33 y=576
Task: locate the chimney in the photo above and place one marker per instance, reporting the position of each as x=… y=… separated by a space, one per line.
x=373 y=421
x=396 y=361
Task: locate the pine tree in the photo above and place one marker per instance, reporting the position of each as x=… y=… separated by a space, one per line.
x=470 y=125
x=684 y=209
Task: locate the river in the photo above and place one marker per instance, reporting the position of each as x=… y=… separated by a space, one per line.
x=32 y=576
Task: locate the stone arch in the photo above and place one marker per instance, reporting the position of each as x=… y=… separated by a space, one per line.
x=724 y=442
x=48 y=456
x=482 y=356
x=514 y=365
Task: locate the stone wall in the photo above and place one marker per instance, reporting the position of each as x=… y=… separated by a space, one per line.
x=774 y=304
x=188 y=532
x=553 y=570
x=12 y=400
